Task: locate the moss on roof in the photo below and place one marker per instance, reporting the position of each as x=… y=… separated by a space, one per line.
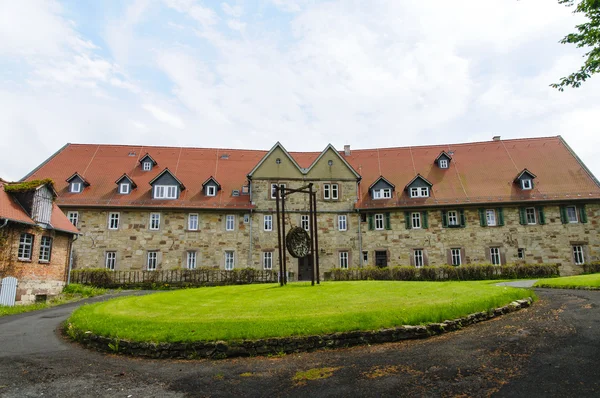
x=27 y=185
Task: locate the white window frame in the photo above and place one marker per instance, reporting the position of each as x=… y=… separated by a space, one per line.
x=530 y=211
x=520 y=253
x=229 y=260
x=45 y=249
x=274 y=187
x=305 y=222
x=570 y=219
x=424 y=192
x=75 y=187
x=211 y=190
x=343 y=259
x=110 y=260
x=443 y=163
x=327 y=191
x=379 y=222
x=193 y=222
x=73 y=217
x=419 y=258
x=114 y=219
x=154 y=223
x=124 y=188
x=415 y=219
x=452 y=216
x=267 y=260
x=335 y=192
x=152 y=260
x=495 y=257
x=268 y=222
x=526 y=184
x=490 y=217
x=25 y=247
x=365 y=256
x=165 y=192
x=147 y=166
x=230 y=222
x=419 y=192
x=456 y=256
x=578 y=254
x=342 y=222
x=191 y=259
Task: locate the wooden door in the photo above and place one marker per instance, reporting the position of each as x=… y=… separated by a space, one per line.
x=305 y=268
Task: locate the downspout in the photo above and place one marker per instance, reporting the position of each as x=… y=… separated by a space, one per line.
x=75 y=237
x=250 y=245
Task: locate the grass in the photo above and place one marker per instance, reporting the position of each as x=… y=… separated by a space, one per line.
x=72 y=292
x=267 y=310
x=590 y=281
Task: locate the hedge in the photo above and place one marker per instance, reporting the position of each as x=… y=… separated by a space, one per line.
x=591 y=268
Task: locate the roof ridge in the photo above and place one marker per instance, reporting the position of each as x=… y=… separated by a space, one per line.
x=44 y=162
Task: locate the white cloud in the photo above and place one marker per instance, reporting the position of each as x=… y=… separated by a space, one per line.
x=233 y=11
x=164 y=116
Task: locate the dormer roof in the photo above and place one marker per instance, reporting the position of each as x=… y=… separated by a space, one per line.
x=213 y=180
x=126 y=177
x=418 y=177
x=381 y=178
x=147 y=157
x=167 y=171
x=442 y=155
x=77 y=175
x=524 y=174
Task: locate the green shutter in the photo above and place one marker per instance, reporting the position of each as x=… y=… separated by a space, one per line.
x=500 y=212
x=482 y=220
x=563 y=214
x=444 y=219
x=370 y=219
x=407 y=220
x=542 y=215
x=425 y=220
x=582 y=214
x=388 y=225
x=463 y=220
x=522 y=218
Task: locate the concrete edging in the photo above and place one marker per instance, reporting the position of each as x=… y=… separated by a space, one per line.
x=283 y=345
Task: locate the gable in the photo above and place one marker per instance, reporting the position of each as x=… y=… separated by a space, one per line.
x=381 y=184
x=165 y=179
x=418 y=182
x=339 y=169
x=268 y=168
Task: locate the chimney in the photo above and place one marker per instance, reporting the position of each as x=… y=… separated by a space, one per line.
x=496 y=138
x=347 y=151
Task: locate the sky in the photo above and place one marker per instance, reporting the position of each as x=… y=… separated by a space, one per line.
x=246 y=74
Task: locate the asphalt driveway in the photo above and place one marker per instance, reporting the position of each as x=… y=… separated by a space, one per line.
x=550 y=349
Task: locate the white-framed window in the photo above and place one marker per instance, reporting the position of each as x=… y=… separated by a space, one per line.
x=455 y=256
x=45 y=248
x=191 y=259
x=147 y=166
x=379 y=225
x=419 y=192
x=526 y=184
x=268 y=222
x=110 y=260
x=193 y=222
x=418 y=258
x=246 y=218
x=520 y=253
x=165 y=192
x=73 y=217
x=25 y=247
x=415 y=220
x=383 y=193
x=571 y=212
x=274 y=189
x=443 y=163
x=305 y=222
x=154 y=221
x=578 y=255
x=267 y=260
x=229 y=260
x=344 y=260
x=365 y=256
x=330 y=191
x=113 y=220
x=229 y=222
x=452 y=217
x=124 y=188
x=342 y=222
x=152 y=261
x=495 y=256
x=490 y=217
x=211 y=190
x=76 y=187
x=530 y=216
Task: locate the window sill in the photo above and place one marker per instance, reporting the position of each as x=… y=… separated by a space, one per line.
x=192 y=230
x=44 y=261
x=24 y=260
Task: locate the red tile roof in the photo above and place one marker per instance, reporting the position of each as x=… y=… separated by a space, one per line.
x=481 y=172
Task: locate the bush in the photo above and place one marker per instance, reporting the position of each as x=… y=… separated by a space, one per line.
x=591 y=268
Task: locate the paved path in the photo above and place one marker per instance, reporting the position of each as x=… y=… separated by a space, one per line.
x=522 y=283
x=550 y=349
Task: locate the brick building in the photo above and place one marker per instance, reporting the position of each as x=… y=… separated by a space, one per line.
x=502 y=201
x=35 y=239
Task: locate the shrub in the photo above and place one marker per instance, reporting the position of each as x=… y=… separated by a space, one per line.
x=591 y=268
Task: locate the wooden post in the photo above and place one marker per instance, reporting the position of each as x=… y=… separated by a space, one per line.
x=314 y=199
x=277 y=196
x=284 y=276
x=311 y=229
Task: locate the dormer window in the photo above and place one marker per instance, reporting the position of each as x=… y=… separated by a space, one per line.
x=147 y=162
x=419 y=192
x=76 y=183
x=443 y=163
x=211 y=190
x=526 y=184
x=418 y=187
x=443 y=159
x=124 y=188
x=166 y=186
x=147 y=166
x=165 y=192
x=525 y=180
x=381 y=189
x=75 y=187
x=125 y=184
x=211 y=186
x=384 y=193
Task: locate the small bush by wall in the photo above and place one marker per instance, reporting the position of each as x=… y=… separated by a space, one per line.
x=591 y=268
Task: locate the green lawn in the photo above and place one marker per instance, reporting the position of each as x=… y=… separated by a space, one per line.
x=591 y=281
x=263 y=311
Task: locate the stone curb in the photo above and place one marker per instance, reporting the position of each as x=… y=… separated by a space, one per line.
x=284 y=345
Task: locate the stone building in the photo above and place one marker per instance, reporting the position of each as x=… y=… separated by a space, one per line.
x=35 y=239
x=502 y=201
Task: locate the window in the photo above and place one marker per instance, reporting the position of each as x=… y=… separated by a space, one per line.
x=571 y=212
x=530 y=215
x=520 y=253
x=490 y=217
x=455 y=257
x=191 y=259
x=113 y=220
x=384 y=193
x=267 y=260
x=379 y=222
x=165 y=192
x=110 y=260
x=45 y=249
x=154 y=221
x=211 y=190
x=75 y=187
x=124 y=188
x=147 y=166
x=246 y=218
x=365 y=257
x=330 y=191
x=526 y=184
x=342 y=223
x=274 y=190
x=25 y=247
x=73 y=216
x=416 y=220
x=381 y=258
x=344 y=260
x=193 y=222
x=452 y=218
x=418 y=258
x=495 y=256
x=443 y=163
x=304 y=222
x=229 y=222
x=268 y=222
x=417 y=192
x=229 y=260
x=152 y=261
x=578 y=254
